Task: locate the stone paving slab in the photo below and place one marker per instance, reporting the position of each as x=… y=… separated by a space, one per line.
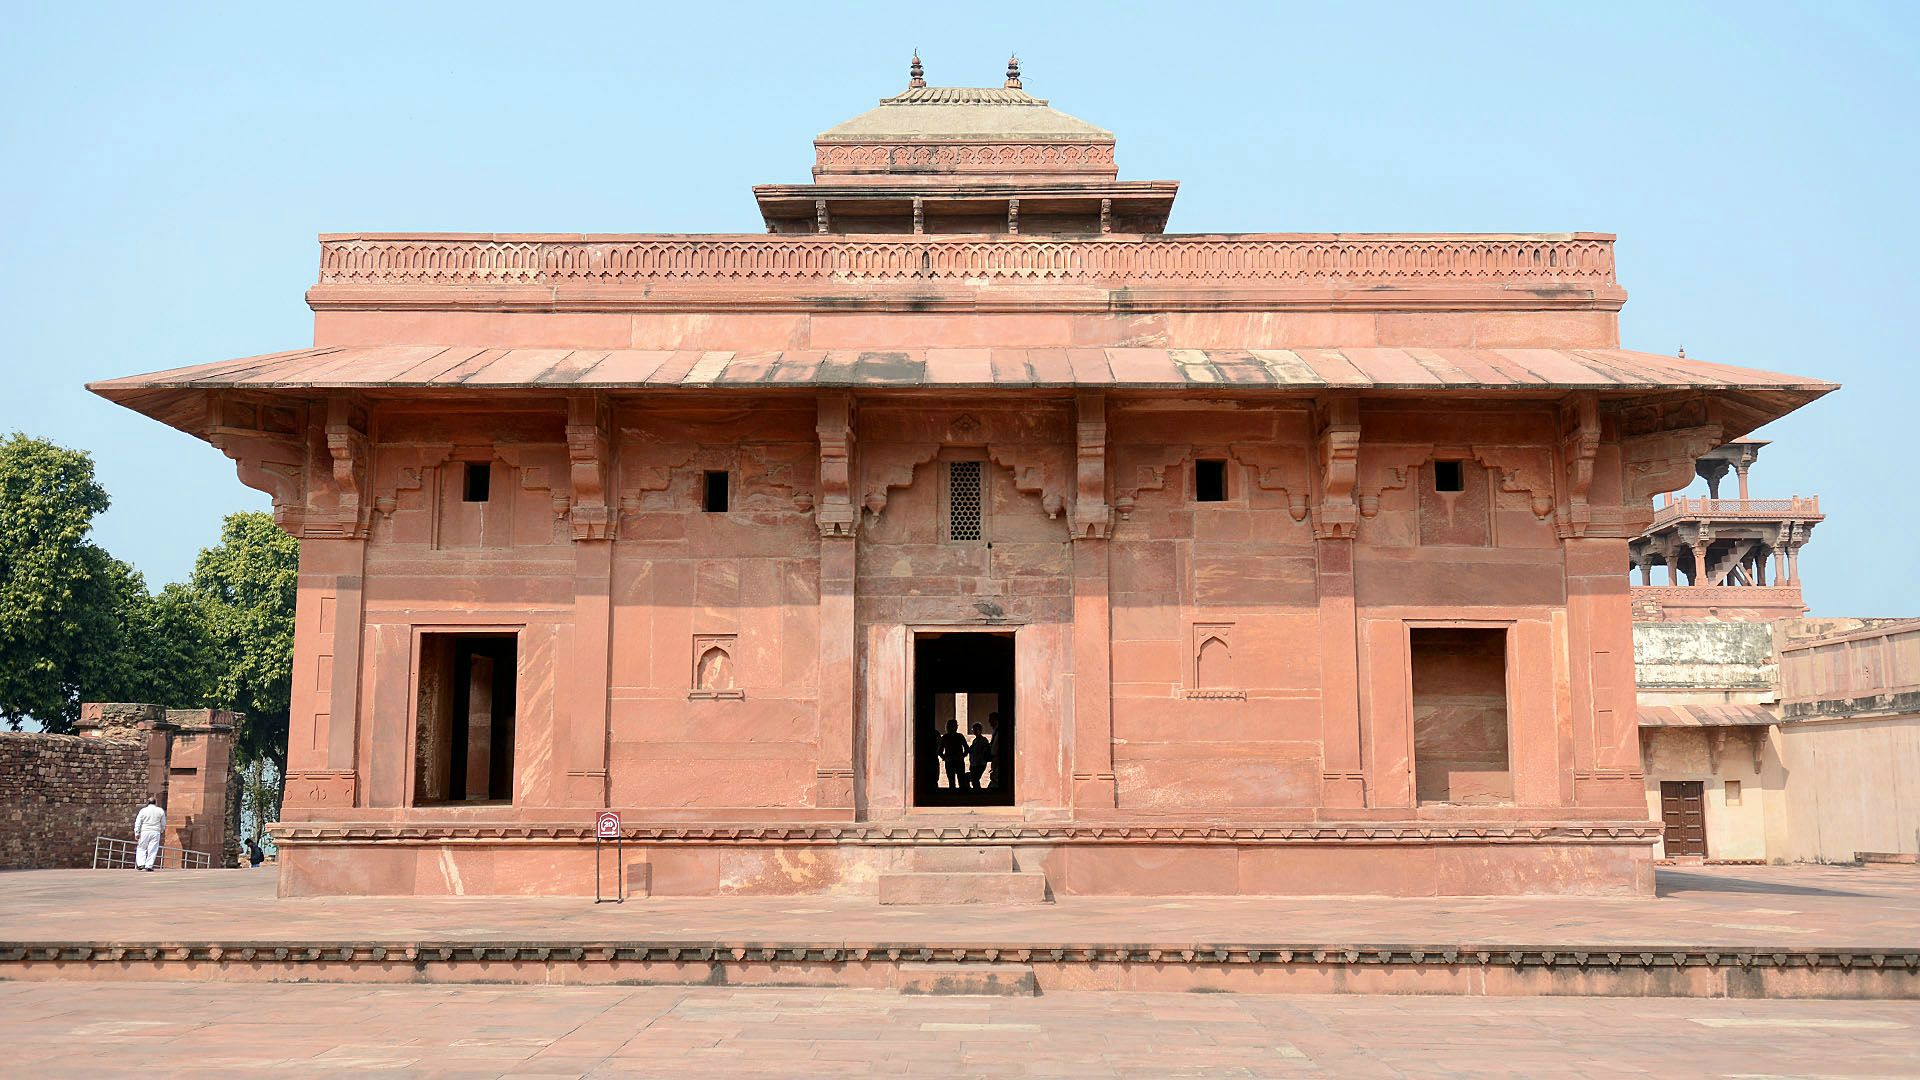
x=171 y=1029
x=1746 y=907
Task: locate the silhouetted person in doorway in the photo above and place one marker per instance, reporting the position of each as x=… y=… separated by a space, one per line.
x=953 y=754
x=979 y=756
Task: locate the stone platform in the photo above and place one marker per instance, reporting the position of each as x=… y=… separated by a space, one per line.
x=1803 y=931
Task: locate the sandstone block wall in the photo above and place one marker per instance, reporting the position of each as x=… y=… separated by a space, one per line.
x=58 y=792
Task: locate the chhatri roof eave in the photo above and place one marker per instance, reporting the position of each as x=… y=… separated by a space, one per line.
x=963 y=114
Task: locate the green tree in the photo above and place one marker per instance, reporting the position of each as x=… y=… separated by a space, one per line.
x=59 y=592
x=243 y=589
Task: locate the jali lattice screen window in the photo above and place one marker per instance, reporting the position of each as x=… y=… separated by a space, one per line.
x=963 y=500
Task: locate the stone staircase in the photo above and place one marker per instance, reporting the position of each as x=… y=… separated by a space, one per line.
x=958 y=874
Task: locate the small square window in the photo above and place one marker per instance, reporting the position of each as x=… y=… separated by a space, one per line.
x=714 y=492
x=1733 y=792
x=1449 y=476
x=1209 y=481
x=477 y=485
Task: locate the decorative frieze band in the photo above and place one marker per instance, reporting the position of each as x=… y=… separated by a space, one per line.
x=504 y=261
x=893 y=835
x=964 y=156
x=729 y=953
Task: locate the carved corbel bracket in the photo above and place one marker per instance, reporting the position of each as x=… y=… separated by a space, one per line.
x=834 y=511
x=1037 y=470
x=1278 y=467
x=1522 y=470
x=271 y=450
x=1579 y=449
x=1336 y=425
x=1092 y=518
x=351 y=452
x=590 y=461
x=1143 y=468
x=1388 y=468
x=1660 y=462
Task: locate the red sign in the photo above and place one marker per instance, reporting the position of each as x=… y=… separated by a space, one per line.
x=607 y=825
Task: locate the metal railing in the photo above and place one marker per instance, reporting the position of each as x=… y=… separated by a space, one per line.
x=110 y=853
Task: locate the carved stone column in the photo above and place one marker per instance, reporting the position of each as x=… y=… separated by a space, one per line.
x=838 y=520
x=1343 y=778
x=1091 y=518
x=594 y=522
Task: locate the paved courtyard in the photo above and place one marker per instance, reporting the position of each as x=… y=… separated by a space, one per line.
x=1773 y=906
x=169 y=1029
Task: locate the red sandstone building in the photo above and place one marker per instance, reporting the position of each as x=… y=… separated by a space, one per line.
x=1289 y=563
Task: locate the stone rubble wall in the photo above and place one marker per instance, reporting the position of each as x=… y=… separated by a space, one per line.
x=59 y=792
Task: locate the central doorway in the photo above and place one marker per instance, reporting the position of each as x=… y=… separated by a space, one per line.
x=963 y=738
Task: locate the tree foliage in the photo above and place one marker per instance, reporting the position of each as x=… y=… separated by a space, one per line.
x=245 y=589
x=59 y=592
x=78 y=624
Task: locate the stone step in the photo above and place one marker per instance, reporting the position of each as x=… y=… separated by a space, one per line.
x=954 y=858
x=975 y=980
x=942 y=887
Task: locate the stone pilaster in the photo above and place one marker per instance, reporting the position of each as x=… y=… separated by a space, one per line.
x=838 y=520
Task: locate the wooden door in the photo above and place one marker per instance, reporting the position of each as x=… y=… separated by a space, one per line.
x=1683 y=809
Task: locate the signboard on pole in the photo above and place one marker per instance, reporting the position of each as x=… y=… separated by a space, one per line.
x=606 y=826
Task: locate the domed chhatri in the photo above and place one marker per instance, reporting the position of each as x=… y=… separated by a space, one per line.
x=966 y=520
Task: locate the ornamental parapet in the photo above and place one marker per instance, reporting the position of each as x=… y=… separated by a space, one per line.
x=1582 y=260
x=1793 y=509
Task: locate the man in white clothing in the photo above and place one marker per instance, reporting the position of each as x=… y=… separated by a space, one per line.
x=148 y=825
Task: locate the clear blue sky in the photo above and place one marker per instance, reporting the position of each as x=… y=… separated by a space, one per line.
x=167 y=167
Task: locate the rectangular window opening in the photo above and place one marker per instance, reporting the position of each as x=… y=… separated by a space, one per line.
x=714 y=492
x=1460 y=742
x=1449 y=476
x=478 y=482
x=1732 y=792
x=464 y=718
x=964 y=510
x=1209 y=480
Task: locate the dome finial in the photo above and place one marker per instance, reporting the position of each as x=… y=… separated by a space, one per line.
x=1013 y=72
x=916 y=75
x=1683 y=352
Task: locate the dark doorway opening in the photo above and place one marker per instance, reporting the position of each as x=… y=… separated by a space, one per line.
x=963 y=688
x=1460 y=742
x=1683 y=813
x=463 y=741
